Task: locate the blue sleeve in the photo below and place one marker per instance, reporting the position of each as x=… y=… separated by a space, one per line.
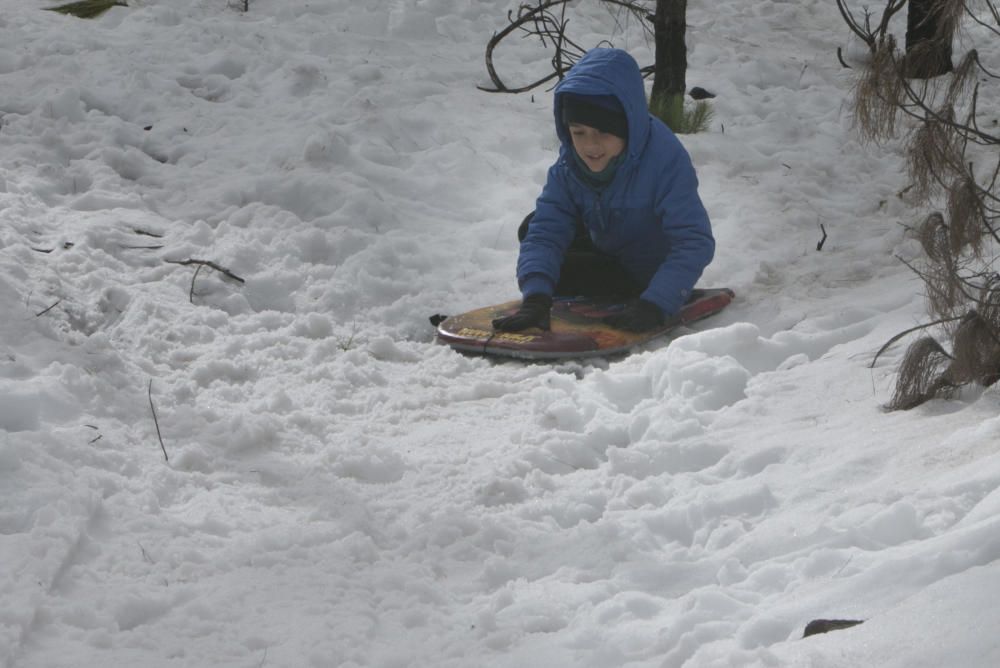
x=549 y=235
x=688 y=232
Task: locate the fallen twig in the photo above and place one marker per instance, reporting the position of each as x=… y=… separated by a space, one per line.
x=201 y=264
x=147 y=233
x=41 y=313
x=191 y=291
x=127 y=247
x=819 y=246
x=95 y=439
x=209 y=263
x=157 y=422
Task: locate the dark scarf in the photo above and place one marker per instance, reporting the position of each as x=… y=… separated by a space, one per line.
x=598 y=180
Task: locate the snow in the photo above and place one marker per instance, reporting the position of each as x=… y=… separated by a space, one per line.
x=340 y=490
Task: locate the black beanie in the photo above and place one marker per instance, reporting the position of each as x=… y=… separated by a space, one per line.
x=603 y=112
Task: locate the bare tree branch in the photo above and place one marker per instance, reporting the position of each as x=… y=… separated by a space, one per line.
x=540 y=20
x=907 y=332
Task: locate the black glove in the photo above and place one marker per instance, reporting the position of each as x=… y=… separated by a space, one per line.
x=640 y=316
x=534 y=312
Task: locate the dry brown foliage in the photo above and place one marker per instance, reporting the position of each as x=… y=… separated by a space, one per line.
x=946 y=148
x=933 y=152
x=878 y=94
x=921 y=375
x=966 y=211
x=934 y=237
x=976 y=352
x=963 y=79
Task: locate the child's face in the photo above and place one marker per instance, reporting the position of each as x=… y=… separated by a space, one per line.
x=594 y=147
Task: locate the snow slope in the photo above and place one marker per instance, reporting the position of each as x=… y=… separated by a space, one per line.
x=340 y=490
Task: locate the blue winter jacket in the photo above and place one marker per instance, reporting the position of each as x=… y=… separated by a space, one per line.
x=649 y=217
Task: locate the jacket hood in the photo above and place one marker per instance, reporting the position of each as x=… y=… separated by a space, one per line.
x=607 y=72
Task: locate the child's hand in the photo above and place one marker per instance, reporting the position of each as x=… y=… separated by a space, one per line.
x=534 y=312
x=641 y=316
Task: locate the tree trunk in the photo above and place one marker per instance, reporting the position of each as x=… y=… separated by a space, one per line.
x=669 y=26
x=928 y=40
x=667 y=98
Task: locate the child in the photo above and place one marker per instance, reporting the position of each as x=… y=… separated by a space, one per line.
x=620 y=212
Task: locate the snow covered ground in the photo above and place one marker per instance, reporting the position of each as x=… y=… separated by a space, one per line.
x=340 y=490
